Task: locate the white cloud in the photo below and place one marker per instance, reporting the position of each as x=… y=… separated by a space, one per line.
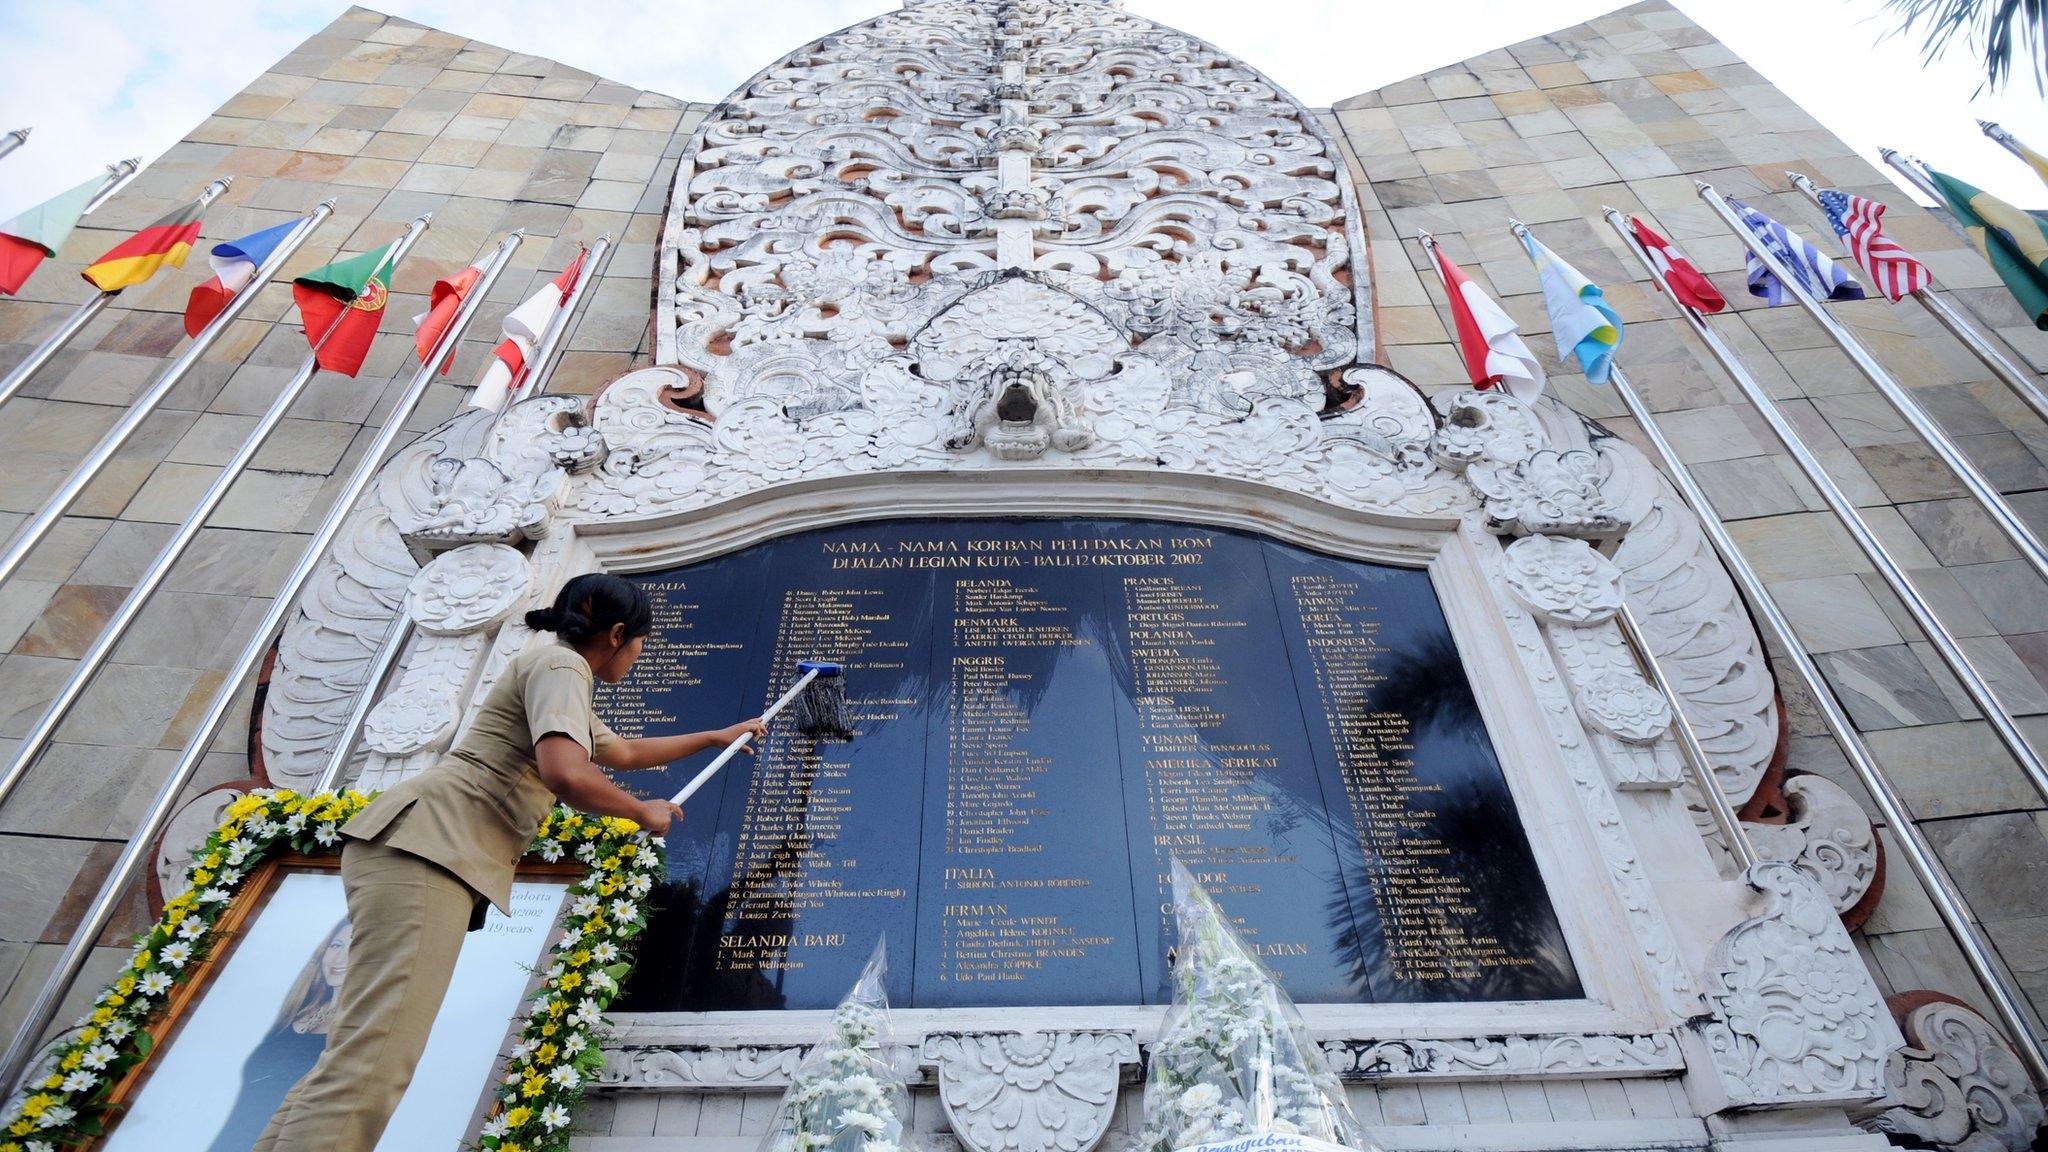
x=101 y=79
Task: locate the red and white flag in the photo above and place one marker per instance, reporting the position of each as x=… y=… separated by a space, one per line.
x=1488 y=337
x=1687 y=284
x=1889 y=266
x=524 y=327
x=443 y=302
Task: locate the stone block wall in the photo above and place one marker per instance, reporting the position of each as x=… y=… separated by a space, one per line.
x=392 y=120
x=1628 y=110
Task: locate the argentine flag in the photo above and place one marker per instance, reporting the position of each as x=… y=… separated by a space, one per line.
x=1581 y=320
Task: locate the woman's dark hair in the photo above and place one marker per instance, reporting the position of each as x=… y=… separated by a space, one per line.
x=590 y=604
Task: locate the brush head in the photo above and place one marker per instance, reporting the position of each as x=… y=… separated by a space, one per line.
x=820 y=709
x=824 y=668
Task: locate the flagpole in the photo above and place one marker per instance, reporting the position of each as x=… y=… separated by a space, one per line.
x=13 y=140
x=82 y=476
x=2006 y=140
x=1952 y=319
x=119 y=173
x=38 y=737
x=1894 y=576
x=55 y=342
x=1988 y=497
x=554 y=341
x=141 y=845
x=2007 y=1001
x=1694 y=752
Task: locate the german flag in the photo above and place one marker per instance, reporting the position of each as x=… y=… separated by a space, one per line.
x=136 y=259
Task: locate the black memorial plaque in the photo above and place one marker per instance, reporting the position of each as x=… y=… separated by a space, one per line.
x=1047 y=712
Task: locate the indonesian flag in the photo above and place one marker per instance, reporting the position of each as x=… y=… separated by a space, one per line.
x=136 y=259
x=40 y=231
x=1489 y=339
x=443 y=302
x=524 y=327
x=1688 y=286
x=234 y=265
x=341 y=305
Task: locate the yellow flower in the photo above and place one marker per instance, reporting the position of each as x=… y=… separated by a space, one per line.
x=511 y=1148
x=142 y=959
x=53 y=1082
x=545 y=1054
x=103 y=1016
x=37 y=1104
x=557 y=1007
x=88 y=1035
x=607 y=886
x=518 y=1117
x=550 y=1028
x=629 y=850
x=124 y=985
x=246 y=807
x=71 y=1062
x=569 y=982
x=213 y=860
x=594 y=924
x=532 y=1086
x=21 y=1127
x=579 y=958
x=201 y=877
x=10 y=1146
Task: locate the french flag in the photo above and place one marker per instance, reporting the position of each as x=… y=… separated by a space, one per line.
x=234 y=264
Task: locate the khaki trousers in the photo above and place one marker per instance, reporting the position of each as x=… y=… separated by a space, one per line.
x=409 y=918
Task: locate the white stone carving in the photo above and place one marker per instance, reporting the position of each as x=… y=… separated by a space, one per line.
x=1828 y=837
x=733 y=1067
x=1031 y=1091
x=472 y=587
x=1563 y=580
x=1958 y=1086
x=1608 y=685
x=1796 y=1018
x=188 y=829
x=1649 y=1054
x=1702 y=635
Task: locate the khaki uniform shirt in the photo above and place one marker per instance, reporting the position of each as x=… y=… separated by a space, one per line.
x=477 y=809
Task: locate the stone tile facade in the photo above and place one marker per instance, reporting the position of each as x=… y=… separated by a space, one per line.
x=1628 y=110
x=394 y=119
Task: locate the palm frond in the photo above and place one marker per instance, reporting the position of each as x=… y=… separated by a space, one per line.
x=2012 y=34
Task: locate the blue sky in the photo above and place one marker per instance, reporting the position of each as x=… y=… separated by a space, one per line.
x=158 y=69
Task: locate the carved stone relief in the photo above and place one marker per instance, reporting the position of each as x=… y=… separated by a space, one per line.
x=1796 y=1018
x=1029 y=1092
x=1828 y=837
x=1957 y=1085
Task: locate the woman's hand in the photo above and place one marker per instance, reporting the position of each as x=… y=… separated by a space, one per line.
x=656 y=815
x=754 y=727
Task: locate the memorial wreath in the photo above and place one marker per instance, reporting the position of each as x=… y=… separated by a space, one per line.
x=548 y=1067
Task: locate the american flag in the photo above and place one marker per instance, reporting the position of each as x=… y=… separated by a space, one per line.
x=1822 y=278
x=1889 y=266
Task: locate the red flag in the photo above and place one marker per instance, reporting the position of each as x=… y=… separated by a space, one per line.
x=443 y=303
x=18 y=258
x=1691 y=288
x=341 y=304
x=524 y=327
x=1488 y=338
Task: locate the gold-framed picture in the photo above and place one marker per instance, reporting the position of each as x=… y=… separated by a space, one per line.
x=236 y=1036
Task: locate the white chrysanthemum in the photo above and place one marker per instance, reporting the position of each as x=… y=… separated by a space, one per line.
x=551 y=851
x=191 y=928
x=154 y=983
x=574 y=1044
x=119 y=1030
x=584 y=906
x=625 y=911
x=176 y=954
x=98 y=1056
x=56 y=1116
x=79 y=1081
x=295 y=823
x=564 y=1075
x=327 y=833
x=554 y=1116
x=495 y=1126
x=605 y=953
x=239 y=850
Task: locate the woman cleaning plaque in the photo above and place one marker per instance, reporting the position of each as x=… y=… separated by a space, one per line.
x=425 y=858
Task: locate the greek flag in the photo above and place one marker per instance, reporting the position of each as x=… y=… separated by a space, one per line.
x=1822 y=278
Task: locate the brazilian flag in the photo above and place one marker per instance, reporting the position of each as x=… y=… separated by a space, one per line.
x=2014 y=243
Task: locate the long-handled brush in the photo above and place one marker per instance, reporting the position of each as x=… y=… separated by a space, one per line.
x=820 y=695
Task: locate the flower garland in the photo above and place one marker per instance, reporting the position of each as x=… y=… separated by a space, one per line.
x=66 y=1108
x=846 y=1097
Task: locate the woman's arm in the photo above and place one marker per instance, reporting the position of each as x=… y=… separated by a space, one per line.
x=655 y=751
x=578 y=782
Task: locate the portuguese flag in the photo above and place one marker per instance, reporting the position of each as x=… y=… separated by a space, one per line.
x=136 y=259
x=340 y=305
x=2014 y=243
x=40 y=231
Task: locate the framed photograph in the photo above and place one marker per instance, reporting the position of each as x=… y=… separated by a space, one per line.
x=248 y=1026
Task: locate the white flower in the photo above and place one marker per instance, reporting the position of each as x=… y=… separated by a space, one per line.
x=98 y=1056
x=263 y=827
x=587 y=1012
x=554 y=1116
x=551 y=851
x=564 y=1075
x=605 y=953
x=327 y=833
x=587 y=852
x=191 y=928
x=229 y=877
x=640 y=885
x=584 y=906
x=176 y=954
x=867 y=1122
x=601 y=982
x=55 y=1116
x=522 y=1050
x=79 y=1081
x=625 y=911
x=555 y=973
x=239 y=851
x=495 y=1126
x=155 y=983
x=295 y=823
x=119 y=1030
x=574 y=1044
x=215 y=896
x=39 y=1146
